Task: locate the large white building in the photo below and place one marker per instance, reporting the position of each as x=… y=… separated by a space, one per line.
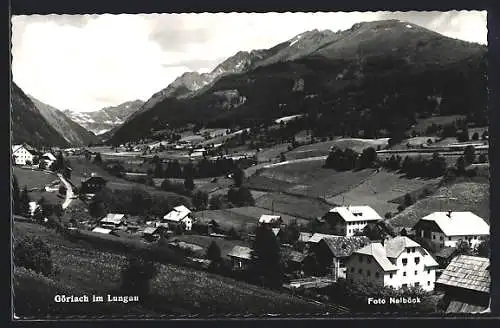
x=399 y=263
x=445 y=229
x=345 y=220
x=180 y=215
x=22 y=155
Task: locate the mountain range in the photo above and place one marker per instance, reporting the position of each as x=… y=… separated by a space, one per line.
x=105 y=119
x=373 y=76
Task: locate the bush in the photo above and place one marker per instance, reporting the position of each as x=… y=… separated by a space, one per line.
x=136 y=274
x=33 y=253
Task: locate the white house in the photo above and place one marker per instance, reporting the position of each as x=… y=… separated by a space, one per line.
x=399 y=263
x=445 y=229
x=113 y=220
x=345 y=220
x=22 y=155
x=48 y=158
x=179 y=215
x=272 y=220
x=33 y=207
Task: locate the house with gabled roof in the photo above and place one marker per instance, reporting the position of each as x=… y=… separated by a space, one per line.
x=399 y=263
x=179 y=216
x=113 y=220
x=346 y=220
x=333 y=251
x=22 y=154
x=466 y=282
x=445 y=229
x=241 y=257
x=270 y=220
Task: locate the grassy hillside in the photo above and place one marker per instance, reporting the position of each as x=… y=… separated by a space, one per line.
x=463 y=195
x=175 y=290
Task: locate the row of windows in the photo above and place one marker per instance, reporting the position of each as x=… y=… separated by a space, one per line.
x=405 y=261
x=416 y=284
x=368 y=272
x=358 y=222
x=361 y=258
x=449 y=238
x=410 y=250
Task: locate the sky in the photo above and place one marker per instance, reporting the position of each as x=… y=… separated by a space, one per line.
x=87 y=62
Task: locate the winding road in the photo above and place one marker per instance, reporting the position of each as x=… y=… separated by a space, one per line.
x=69 y=191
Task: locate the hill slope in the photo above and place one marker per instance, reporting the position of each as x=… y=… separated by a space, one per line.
x=355 y=79
x=29 y=125
x=74 y=133
x=105 y=119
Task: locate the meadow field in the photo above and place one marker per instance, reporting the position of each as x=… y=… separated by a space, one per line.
x=323 y=148
x=33 y=178
x=175 y=290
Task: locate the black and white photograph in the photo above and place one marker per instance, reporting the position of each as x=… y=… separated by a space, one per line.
x=250 y=165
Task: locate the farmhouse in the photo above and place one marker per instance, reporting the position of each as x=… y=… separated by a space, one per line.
x=22 y=155
x=48 y=158
x=92 y=185
x=179 y=216
x=346 y=220
x=113 y=221
x=466 y=283
x=153 y=233
x=241 y=257
x=445 y=229
x=270 y=220
x=333 y=251
x=399 y=263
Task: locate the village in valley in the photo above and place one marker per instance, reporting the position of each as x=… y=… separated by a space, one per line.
x=341 y=171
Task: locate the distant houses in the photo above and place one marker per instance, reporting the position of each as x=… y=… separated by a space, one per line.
x=346 y=220
x=466 y=283
x=399 y=263
x=92 y=185
x=23 y=154
x=179 y=217
x=445 y=229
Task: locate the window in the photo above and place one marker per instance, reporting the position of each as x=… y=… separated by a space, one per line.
x=360 y=259
x=428 y=283
x=417 y=284
x=404 y=274
x=416 y=272
x=369 y=260
x=428 y=271
x=377 y=274
x=449 y=238
x=441 y=238
x=408 y=250
x=405 y=261
x=390 y=275
x=352 y=269
x=360 y=271
x=413 y=250
x=433 y=236
x=417 y=260
x=368 y=273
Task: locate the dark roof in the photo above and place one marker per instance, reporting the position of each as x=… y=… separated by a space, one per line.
x=293 y=256
x=341 y=246
x=468 y=272
x=446 y=252
x=462 y=307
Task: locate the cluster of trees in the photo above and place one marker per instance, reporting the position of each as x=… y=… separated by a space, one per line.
x=20 y=199
x=204 y=168
x=136 y=275
x=61 y=165
x=458 y=129
x=33 y=253
x=417 y=166
x=133 y=201
x=348 y=159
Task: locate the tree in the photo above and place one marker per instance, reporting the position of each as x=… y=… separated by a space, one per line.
x=24 y=203
x=189 y=183
x=97 y=158
x=484 y=136
x=408 y=200
x=97 y=209
x=460 y=165
x=367 y=158
x=215 y=202
x=240 y=197
x=136 y=274
x=475 y=136
x=33 y=253
x=463 y=135
x=42 y=165
x=483 y=248
x=469 y=154
x=238 y=176
x=214 y=253
x=200 y=200
x=266 y=258
x=16 y=201
x=158 y=172
x=463 y=247
x=282 y=157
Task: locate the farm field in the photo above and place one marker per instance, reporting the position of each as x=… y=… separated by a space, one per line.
x=307 y=179
x=33 y=178
x=241 y=218
x=466 y=195
x=225 y=245
x=380 y=189
x=175 y=290
x=323 y=148
x=272 y=153
x=301 y=207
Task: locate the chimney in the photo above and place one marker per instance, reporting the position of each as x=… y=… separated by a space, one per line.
x=449 y=213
